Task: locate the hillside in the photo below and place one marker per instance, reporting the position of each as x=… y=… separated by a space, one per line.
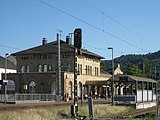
x=140 y=65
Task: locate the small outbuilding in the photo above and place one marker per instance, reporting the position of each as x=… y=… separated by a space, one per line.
x=134 y=90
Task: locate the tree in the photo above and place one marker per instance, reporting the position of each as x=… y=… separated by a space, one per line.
x=134 y=70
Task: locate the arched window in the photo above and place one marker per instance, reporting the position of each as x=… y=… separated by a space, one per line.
x=27 y=68
x=86 y=70
x=45 y=68
x=32 y=86
x=91 y=70
x=22 y=69
x=81 y=69
x=49 y=67
x=97 y=71
x=39 y=68
x=70 y=89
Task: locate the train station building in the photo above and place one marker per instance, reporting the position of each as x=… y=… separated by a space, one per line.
x=37 y=69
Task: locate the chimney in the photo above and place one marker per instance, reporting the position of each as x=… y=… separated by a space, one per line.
x=78 y=38
x=44 y=41
x=68 y=40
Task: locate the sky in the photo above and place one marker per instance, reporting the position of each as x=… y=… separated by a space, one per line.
x=128 y=26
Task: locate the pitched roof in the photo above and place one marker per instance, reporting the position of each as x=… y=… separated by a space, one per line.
x=46 y=48
x=52 y=48
x=10 y=65
x=134 y=78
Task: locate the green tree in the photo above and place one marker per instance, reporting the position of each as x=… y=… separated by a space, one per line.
x=134 y=70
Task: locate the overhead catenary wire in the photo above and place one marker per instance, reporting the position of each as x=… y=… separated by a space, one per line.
x=9 y=47
x=93 y=26
x=98 y=28
x=64 y=48
x=116 y=21
x=113 y=19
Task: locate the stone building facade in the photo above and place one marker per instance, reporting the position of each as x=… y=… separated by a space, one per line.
x=37 y=69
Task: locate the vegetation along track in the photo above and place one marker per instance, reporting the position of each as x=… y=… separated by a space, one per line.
x=10 y=107
x=127 y=115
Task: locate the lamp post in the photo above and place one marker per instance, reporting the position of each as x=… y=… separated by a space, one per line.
x=112 y=82
x=6 y=55
x=5 y=86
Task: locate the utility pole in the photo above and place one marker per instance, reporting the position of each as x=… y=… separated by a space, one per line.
x=59 y=63
x=6 y=65
x=75 y=83
x=5 y=84
x=112 y=82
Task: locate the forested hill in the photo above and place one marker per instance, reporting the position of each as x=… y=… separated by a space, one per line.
x=140 y=65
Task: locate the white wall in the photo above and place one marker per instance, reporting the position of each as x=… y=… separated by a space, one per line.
x=2 y=70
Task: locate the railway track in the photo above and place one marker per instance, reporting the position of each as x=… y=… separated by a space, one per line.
x=127 y=115
x=11 y=107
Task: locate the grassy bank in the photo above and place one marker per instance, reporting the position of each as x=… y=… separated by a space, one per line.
x=60 y=112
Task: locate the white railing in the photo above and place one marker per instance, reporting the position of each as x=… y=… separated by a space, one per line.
x=29 y=97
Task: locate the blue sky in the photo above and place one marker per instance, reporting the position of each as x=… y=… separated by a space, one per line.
x=24 y=23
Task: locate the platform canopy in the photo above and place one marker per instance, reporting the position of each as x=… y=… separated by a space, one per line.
x=131 y=78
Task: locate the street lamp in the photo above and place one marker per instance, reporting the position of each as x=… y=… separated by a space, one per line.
x=5 y=86
x=112 y=82
x=6 y=55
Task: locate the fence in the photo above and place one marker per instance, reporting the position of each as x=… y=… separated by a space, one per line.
x=29 y=98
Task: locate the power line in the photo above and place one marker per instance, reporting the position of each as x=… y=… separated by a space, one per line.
x=113 y=19
x=98 y=28
x=121 y=52
x=9 y=47
x=116 y=21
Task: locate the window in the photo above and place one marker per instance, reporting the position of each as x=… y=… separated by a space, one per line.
x=90 y=70
x=70 y=89
x=45 y=68
x=22 y=69
x=86 y=70
x=49 y=67
x=39 y=56
x=32 y=86
x=27 y=68
x=44 y=56
x=39 y=68
x=96 y=71
x=80 y=68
